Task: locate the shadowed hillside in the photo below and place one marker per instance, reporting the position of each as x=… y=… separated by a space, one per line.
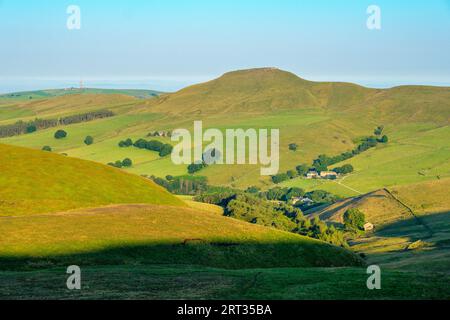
x=159 y=234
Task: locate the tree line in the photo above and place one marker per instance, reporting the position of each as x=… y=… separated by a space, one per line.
x=322 y=162
x=163 y=149
x=22 y=127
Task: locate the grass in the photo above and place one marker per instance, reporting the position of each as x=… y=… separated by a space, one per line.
x=152 y=234
x=38 y=182
x=174 y=283
x=319 y=117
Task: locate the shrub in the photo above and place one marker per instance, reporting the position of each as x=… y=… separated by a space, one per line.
x=165 y=150
x=60 y=134
x=127 y=162
x=302 y=169
x=354 y=219
x=293 y=147
x=47 y=148
x=89 y=140
x=279 y=178
x=31 y=128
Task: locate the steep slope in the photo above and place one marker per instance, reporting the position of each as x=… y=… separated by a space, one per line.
x=134 y=234
x=38 y=182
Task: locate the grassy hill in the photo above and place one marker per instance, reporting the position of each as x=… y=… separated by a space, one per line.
x=152 y=234
x=35 y=182
x=321 y=117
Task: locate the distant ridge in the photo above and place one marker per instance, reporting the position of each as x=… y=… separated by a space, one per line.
x=266 y=90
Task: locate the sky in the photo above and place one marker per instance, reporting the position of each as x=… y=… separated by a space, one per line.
x=168 y=44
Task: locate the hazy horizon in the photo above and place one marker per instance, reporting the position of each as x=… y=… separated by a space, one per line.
x=166 y=45
x=172 y=84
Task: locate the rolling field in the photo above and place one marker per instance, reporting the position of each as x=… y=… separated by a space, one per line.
x=67 y=207
x=322 y=118
x=149 y=234
x=34 y=182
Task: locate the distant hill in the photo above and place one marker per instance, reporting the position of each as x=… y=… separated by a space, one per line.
x=42 y=94
x=34 y=182
x=320 y=117
x=268 y=90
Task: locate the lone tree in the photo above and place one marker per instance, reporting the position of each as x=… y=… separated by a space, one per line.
x=127 y=162
x=47 y=148
x=354 y=219
x=293 y=147
x=89 y=140
x=384 y=139
x=60 y=134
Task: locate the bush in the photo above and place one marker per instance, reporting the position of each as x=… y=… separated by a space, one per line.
x=302 y=169
x=293 y=147
x=60 y=134
x=345 y=169
x=165 y=150
x=31 y=128
x=47 y=148
x=127 y=162
x=354 y=219
x=89 y=140
x=126 y=143
x=279 y=178
x=196 y=167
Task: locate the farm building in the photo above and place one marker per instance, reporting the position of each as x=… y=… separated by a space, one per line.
x=328 y=175
x=368 y=226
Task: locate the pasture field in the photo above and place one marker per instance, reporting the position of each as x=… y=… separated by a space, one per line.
x=34 y=182
x=191 y=282
x=67 y=207
x=152 y=234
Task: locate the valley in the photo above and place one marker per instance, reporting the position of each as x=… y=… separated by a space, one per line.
x=226 y=231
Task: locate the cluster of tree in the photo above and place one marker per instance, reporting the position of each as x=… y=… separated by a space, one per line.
x=282 y=194
x=164 y=149
x=318 y=229
x=22 y=127
x=196 y=167
x=323 y=161
x=126 y=143
x=183 y=185
x=259 y=211
x=354 y=219
x=249 y=207
x=345 y=169
x=125 y=163
x=85 y=117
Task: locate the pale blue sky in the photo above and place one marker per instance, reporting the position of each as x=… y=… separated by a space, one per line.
x=173 y=43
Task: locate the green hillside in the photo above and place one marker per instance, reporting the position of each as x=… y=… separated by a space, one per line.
x=152 y=235
x=320 y=117
x=35 y=182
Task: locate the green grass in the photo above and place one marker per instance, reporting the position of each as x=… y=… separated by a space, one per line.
x=322 y=118
x=152 y=234
x=175 y=283
x=37 y=182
